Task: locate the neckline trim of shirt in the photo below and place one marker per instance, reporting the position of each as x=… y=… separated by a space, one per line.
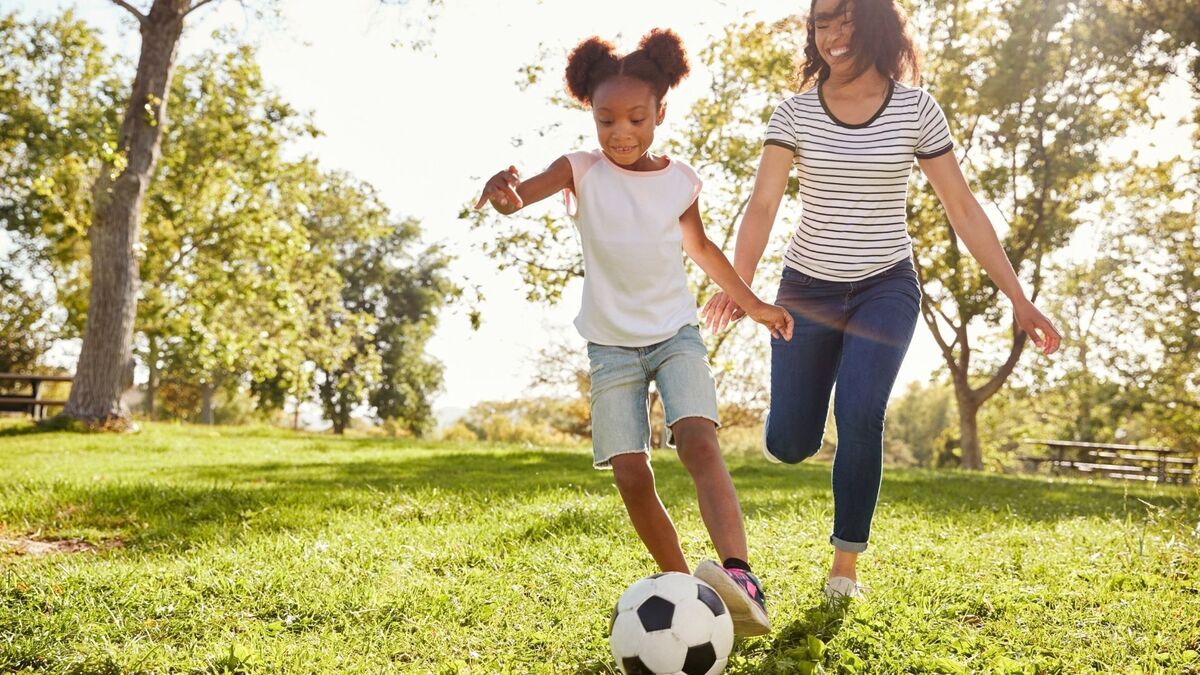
x=656 y=172
x=886 y=100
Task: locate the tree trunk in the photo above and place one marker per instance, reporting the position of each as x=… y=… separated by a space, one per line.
x=152 y=380
x=968 y=427
x=206 y=402
x=112 y=301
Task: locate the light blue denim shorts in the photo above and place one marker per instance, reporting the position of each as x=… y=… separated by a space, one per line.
x=620 y=396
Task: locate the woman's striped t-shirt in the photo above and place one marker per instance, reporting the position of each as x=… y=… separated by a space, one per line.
x=854 y=179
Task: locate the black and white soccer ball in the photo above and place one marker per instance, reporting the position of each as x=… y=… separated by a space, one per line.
x=671 y=623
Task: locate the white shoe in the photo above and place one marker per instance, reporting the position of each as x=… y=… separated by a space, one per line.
x=767 y=453
x=842 y=588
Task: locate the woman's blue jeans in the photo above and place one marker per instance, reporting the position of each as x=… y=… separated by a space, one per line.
x=854 y=335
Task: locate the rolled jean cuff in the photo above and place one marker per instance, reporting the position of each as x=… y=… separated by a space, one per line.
x=848 y=546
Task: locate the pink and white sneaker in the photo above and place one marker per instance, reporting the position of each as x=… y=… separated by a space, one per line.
x=742 y=594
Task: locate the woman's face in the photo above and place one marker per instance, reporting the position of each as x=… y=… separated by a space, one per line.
x=834 y=27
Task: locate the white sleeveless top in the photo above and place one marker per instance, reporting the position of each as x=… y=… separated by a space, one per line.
x=635 y=290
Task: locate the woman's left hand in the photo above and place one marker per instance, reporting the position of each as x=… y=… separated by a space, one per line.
x=1037 y=326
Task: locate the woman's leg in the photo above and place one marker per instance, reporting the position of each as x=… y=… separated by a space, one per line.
x=635 y=482
x=878 y=331
x=803 y=369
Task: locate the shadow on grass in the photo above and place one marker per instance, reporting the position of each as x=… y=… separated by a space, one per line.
x=781 y=652
x=180 y=506
x=958 y=494
x=22 y=429
x=793 y=644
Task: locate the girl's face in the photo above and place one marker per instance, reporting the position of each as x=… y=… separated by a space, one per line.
x=626 y=112
x=834 y=28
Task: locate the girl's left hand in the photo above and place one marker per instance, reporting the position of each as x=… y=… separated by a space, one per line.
x=1039 y=328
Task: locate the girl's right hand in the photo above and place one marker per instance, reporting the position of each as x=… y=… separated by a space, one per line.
x=501 y=191
x=720 y=311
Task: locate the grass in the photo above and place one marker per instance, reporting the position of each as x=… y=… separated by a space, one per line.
x=253 y=550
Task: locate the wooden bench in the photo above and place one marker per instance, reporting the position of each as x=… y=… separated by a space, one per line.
x=32 y=403
x=1110 y=460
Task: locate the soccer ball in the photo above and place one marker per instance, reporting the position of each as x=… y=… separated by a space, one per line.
x=671 y=623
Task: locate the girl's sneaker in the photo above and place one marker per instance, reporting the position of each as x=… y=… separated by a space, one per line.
x=842 y=589
x=742 y=594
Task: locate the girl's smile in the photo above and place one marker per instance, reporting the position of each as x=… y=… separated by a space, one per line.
x=626 y=112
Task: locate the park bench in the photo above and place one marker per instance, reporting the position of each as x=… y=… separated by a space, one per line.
x=32 y=403
x=1109 y=460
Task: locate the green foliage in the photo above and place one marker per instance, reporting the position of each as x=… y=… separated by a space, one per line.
x=258 y=269
x=368 y=555
x=1044 y=91
x=1130 y=373
x=916 y=419
x=541 y=420
x=226 y=269
x=59 y=102
x=25 y=327
x=392 y=294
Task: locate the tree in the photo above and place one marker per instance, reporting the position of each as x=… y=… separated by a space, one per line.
x=58 y=86
x=1032 y=93
x=226 y=253
x=389 y=297
x=24 y=334
x=105 y=360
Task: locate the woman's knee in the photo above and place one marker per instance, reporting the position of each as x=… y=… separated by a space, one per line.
x=859 y=419
x=792 y=446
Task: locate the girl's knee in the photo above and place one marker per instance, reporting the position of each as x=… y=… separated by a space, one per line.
x=699 y=455
x=632 y=472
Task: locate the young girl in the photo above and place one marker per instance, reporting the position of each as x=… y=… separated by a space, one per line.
x=634 y=210
x=848 y=276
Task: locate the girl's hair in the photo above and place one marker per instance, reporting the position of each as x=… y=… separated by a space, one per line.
x=880 y=39
x=660 y=61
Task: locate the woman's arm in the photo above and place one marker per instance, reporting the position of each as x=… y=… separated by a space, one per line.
x=712 y=260
x=508 y=193
x=971 y=225
x=754 y=231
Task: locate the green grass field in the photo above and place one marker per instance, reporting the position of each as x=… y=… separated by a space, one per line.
x=265 y=551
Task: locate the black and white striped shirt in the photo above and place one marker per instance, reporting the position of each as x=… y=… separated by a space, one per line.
x=854 y=179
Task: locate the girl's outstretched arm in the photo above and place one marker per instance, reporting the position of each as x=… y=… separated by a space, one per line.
x=712 y=260
x=971 y=225
x=508 y=193
x=769 y=185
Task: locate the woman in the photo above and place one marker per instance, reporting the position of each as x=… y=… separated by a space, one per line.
x=848 y=276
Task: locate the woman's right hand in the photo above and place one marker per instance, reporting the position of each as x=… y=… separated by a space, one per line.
x=720 y=311
x=501 y=191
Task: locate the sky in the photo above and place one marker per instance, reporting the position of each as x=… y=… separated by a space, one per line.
x=426 y=127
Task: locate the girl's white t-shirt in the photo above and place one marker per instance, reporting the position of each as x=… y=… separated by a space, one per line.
x=635 y=289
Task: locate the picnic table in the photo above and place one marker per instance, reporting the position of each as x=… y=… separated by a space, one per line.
x=1112 y=460
x=31 y=403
